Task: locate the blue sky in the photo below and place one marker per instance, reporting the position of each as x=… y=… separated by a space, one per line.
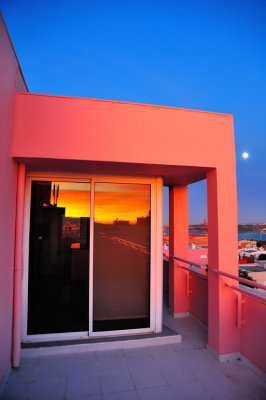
x=207 y=55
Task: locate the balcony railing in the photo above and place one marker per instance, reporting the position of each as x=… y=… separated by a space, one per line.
x=259 y=297
x=250 y=306
x=193 y=271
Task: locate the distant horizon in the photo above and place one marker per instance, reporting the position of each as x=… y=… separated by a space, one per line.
x=240 y=223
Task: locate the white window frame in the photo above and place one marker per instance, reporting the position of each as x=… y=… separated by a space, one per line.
x=156 y=263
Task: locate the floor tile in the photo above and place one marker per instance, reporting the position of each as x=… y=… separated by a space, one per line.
x=20 y=391
x=109 y=354
x=22 y=375
x=116 y=382
x=57 y=370
x=52 y=389
x=202 y=364
x=233 y=368
x=138 y=352
x=26 y=372
x=31 y=361
x=220 y=388
x=177 y=374
x=156 y=393
x=147 y=377
x=79 y=386
x=127 y=395
x=84 y=367
x=85 y=355
x=49 y=360
x=190 y=391
x=177 y=371
x=160 y=351
x=250 y=386
x=144 y=362
x=171 y=360
x=112 y=365
x=93 y=397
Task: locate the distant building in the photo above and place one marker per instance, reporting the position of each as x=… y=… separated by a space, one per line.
x=166 y=240
x=247 y=243
x=257 y=271
x=120 y=222
x=143 y=220
x=198 y=240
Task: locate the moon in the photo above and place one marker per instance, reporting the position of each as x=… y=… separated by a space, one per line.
x=245 y=155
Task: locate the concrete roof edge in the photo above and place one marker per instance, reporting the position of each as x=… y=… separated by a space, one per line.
x=126 y=102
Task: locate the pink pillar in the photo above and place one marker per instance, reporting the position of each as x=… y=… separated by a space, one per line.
x=178 y=246
x=18 y=266
x=223 y=334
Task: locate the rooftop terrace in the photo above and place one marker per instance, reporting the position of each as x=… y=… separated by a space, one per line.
x=185 y=370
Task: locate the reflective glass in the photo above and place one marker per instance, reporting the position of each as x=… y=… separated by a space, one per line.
x=121 y=269
x=59 y=257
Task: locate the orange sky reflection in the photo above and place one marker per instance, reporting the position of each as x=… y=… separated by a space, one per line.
x=112 y=201
x=76 y=202
x=123 y=205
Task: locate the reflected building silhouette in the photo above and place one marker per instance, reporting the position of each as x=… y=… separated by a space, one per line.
x=120 y=222
x=58 y=261
x=143 y=220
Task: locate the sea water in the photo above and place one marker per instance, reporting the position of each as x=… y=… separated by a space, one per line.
x=241 y=235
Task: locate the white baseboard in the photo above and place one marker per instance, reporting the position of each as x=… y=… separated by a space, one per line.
x=180 y=315
x=224 y=357
x=237 y=356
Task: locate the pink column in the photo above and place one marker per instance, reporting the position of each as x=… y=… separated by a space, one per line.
x=223 y=334
x=18 y=266
x=178 y=246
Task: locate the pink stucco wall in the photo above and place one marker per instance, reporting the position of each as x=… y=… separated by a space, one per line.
x=196 y=255
x=198 y=300
x=55 y=127
x=8 y=180
x=252 y=338
x=252 y=331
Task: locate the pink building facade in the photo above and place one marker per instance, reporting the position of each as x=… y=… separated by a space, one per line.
x=96 y=151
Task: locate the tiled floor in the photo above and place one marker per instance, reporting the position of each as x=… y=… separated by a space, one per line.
x=178 y=371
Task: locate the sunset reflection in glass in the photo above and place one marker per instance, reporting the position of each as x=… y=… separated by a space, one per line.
x=59 y=257
x=121 y=282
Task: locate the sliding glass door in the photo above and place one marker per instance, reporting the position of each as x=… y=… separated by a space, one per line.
x=89 y=257
x=121 y=266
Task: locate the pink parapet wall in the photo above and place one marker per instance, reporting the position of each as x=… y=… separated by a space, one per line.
x=252 y=344
x=198 y=301
x=198 y=256
x=112 y=131
x=11 y=79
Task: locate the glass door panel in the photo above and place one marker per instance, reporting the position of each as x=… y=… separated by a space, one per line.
x=121 y=267
x=59 y=257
